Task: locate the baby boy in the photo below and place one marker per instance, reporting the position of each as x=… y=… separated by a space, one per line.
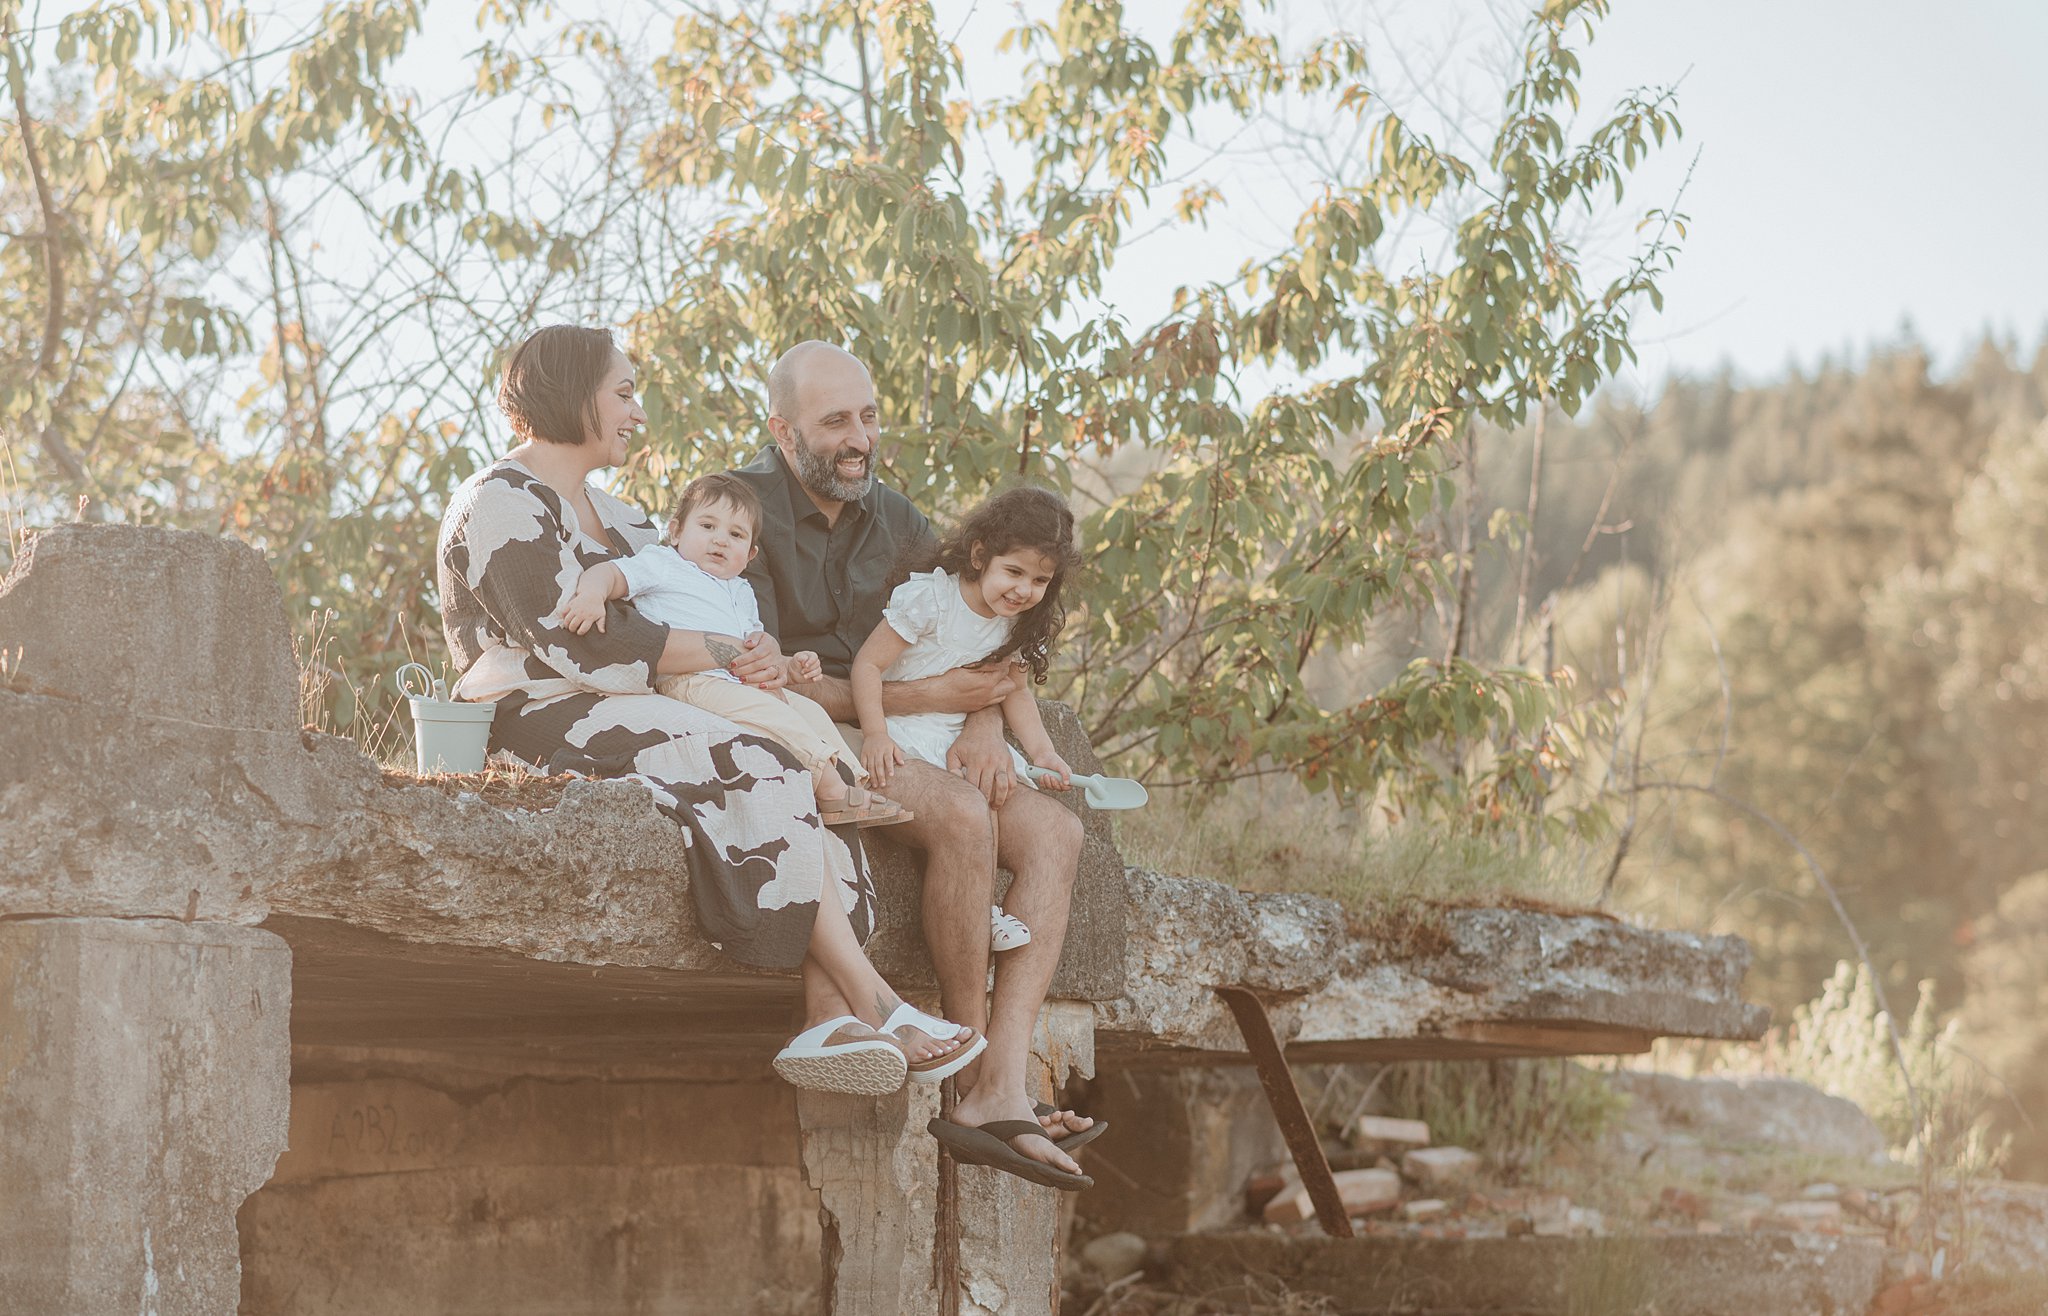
x=692 y=582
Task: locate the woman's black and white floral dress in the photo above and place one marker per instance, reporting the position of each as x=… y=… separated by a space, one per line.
x=511 y=551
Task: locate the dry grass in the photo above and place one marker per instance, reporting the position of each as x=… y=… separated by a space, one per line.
x=1997 y=1295
x=506 y=788
x=332 y=701
x=1275 y=836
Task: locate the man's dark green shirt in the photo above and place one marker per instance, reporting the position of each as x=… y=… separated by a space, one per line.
x=822 y=587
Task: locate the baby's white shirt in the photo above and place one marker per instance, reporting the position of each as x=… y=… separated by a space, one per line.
x=669 y=588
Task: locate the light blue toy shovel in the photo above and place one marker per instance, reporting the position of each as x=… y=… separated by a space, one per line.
x=1103 y=792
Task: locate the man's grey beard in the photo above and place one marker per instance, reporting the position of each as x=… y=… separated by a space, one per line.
x=819 y=476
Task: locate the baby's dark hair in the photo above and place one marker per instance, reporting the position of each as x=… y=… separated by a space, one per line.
x=1024 y=517
x=719 y=488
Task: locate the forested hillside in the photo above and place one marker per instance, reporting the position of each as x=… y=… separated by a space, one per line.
x=1826 y=599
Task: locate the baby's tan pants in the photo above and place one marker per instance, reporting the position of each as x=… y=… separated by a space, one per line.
x=791 y=720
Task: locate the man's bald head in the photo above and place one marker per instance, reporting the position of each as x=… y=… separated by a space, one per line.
x=822 y=413
x=786 y=377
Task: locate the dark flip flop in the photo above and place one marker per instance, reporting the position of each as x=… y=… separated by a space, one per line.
x=989 y=1145
x=1072 y=1140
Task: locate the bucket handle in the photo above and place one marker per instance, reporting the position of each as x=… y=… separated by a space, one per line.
x=416 y=674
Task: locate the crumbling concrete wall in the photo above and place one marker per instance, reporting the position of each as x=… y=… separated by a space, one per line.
x=534 y=1197
x=143 y=1071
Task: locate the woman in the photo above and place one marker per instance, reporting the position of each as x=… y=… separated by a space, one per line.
x=771 y=886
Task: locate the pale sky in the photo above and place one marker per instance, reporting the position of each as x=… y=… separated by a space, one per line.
x=1856 y=164
x=1861 y=163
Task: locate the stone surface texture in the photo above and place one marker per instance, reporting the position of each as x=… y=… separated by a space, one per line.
x=1326 y=983
x=1754 y=1111
x=143 y=1092
x=153 y=623
x=533 y=1197
x=1757 y=1275
x=2011 y=1225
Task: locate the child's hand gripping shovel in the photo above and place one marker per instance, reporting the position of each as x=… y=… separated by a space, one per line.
x=1102 y=792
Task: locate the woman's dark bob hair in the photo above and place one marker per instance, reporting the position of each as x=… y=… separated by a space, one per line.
x=549 y=388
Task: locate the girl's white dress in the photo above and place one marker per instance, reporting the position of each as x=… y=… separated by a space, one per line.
x=944 y=633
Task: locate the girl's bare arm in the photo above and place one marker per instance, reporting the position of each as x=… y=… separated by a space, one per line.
x=883 y=647
x=1020 y=710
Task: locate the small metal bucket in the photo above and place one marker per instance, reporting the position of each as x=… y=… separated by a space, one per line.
x=449 y=735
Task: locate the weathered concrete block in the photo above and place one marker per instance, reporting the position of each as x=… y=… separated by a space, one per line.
x=534 y=1197
x=596 y=876
x=143 y=1072
x=1006 y=1224
x=111 y=814
x=1379 y=1133
x=1440 y=1169
x=153 y=622
x=876 y=1171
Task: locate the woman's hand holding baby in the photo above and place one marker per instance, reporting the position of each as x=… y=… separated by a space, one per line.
x=758 y=663
x=880 y=756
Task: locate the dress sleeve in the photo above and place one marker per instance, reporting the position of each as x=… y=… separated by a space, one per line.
x=913 y=610
x=520 y=569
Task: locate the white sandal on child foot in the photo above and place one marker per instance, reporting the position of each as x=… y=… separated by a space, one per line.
x=1006 y=930
x=843 y=1055
x=938 y=1068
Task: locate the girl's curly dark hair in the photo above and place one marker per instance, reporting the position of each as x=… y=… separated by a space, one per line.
x=1020 y=518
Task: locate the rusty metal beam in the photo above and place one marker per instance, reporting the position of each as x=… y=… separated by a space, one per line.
x=946 y=1249
x=1285 y=1099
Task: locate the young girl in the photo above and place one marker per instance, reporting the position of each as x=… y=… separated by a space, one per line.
x=990 y=592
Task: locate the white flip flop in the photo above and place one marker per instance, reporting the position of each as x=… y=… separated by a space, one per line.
x=1006 y=930
x=833 y=1058
x=939 y=1068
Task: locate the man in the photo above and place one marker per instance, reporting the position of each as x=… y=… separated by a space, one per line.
x=829 y=538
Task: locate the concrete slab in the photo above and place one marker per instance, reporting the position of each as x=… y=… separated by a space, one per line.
x=1464 y=983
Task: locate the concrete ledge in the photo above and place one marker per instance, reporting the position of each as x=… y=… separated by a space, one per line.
x=1703 y=1275
x=1461 y=982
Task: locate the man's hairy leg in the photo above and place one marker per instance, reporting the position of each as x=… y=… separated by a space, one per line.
x=1040 y=842
x=952 y=829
